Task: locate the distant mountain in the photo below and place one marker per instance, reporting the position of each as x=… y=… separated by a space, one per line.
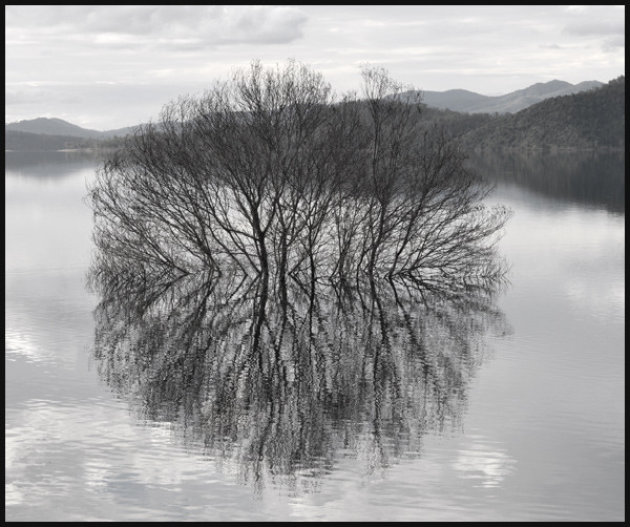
x=119 y=132
x=43 y=125
x=589 y=119
x=455 y=100
x=471 y=102
x=54 y=126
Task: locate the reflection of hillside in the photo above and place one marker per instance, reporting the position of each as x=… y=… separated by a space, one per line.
x=587 y=178
x=51 y=165
x=284 y=388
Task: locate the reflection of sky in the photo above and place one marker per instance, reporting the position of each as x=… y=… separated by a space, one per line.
x=47 y=223
x=47 y=315
x=562 y=370
x=455 y=479
x=87 y=461
x=21 y=344
x=563 y=250
x=486 y=463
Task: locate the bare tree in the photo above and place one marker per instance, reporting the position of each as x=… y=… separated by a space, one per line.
x=272 y=175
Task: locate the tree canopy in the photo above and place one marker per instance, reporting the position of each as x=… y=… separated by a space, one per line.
x=273 y=175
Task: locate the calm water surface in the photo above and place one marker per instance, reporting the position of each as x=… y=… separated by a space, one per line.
x=532 y=425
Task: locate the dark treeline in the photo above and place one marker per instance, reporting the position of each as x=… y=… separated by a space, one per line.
x=272 y=175
x=29 y=142
x=18 y=141
x=286 y=388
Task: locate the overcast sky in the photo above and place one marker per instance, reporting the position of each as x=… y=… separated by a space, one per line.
x=106 y=67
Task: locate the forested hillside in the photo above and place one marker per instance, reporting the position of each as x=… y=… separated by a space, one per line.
x=587 y=120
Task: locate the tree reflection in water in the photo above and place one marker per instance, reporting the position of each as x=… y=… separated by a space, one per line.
x=287 y=386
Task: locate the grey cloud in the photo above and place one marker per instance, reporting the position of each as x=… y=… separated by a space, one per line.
x=126 y=25
x=12 y=97
x=595 y=28
x=613 y=33
x=35 y=94
x=263 y=24
x=612 y=44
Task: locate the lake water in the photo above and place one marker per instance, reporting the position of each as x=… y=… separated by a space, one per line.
x=533 y=421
